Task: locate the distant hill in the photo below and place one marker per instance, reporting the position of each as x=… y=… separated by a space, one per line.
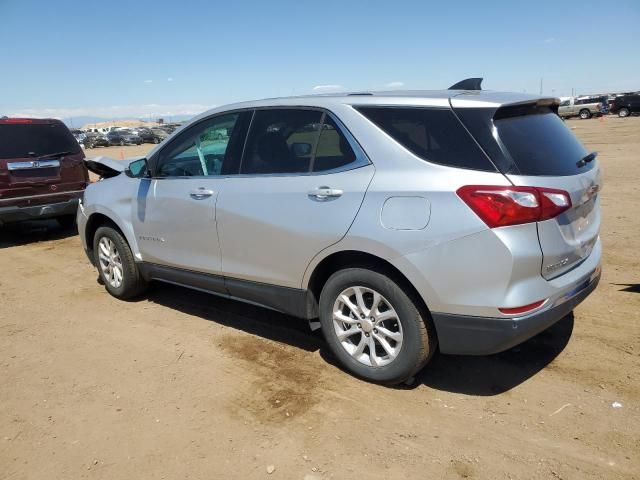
x=79 y=122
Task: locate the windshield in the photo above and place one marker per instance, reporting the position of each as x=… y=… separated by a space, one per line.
x=35 y=139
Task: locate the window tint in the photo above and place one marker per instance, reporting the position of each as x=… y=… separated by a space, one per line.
x=210 y=148
x=434 y=135
x=281 y=141
x=32 y=139
x=540 y=144
x=333 y=149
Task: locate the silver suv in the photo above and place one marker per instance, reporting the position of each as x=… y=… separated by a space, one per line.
x=406 y=222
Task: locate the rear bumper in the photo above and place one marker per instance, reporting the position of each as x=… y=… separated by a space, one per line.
x=49 y=210
x=467 y=335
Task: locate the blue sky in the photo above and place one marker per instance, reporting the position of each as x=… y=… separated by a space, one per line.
x=120 y=59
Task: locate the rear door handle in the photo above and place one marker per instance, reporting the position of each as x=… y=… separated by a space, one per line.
x=201 y=193
x=324 y=193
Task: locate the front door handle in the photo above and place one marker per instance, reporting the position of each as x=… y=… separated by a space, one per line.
x=201 y=193
x=324 y=193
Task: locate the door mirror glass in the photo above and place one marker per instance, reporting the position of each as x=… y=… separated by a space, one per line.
x=301 y=149
x=138 y=169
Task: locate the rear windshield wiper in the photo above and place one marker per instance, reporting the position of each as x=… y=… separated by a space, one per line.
x=589 y=158
x=51 y=155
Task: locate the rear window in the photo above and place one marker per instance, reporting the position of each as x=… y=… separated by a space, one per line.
x=22 y=140
x=435 y=135
x=526 y=140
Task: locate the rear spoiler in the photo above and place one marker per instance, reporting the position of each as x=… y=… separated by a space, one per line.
x=107 y=167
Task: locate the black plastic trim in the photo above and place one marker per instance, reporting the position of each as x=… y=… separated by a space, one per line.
x=50 y=210
x=291 y=301
x=467 y=335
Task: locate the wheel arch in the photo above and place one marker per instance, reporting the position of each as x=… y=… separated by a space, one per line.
x=97 y=220
x=358 y=259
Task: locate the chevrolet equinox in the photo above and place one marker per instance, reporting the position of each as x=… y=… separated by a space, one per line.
x=462 y=219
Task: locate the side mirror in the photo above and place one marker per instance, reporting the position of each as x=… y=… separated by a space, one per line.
x=138 y=169
x=301 y=149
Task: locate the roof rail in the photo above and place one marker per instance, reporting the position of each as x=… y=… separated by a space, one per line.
x=356 y=94
x=467 y=84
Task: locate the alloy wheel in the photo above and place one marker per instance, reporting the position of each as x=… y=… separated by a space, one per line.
x=110 y=262
x=367 y=326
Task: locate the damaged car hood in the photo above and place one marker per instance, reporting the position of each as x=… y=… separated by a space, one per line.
x=108 y=167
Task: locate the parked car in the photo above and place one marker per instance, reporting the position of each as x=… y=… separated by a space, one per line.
x=626 y=105
x=458 y=220
x=79 y=135
x=42 y=174
x=123 y=137
x=93 y=140
x=150 y=136
x=162 y=134
x=581 y=107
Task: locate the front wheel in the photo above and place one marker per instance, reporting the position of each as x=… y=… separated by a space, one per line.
x=623 y=112
x=116 y=266
x=375 y=330
x=122 y=143
x=584 y=114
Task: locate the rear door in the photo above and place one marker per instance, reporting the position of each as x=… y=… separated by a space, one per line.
x=301 y=183
x=542 y=152
x=39 y=159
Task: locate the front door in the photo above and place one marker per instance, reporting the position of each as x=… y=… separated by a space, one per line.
x=175 y=221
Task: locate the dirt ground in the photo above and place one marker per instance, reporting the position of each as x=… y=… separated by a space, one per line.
x=180 y=384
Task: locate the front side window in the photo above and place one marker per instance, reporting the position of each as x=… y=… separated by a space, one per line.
x=281 y=141
x=210 y=148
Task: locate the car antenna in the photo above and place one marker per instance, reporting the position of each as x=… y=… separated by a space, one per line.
x=467 y=84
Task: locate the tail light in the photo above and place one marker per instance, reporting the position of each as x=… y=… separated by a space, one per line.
x=502 y=206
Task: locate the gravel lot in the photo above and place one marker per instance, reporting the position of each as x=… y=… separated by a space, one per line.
x=184 y=385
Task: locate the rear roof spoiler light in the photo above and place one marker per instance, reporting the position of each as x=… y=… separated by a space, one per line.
x=16 y=120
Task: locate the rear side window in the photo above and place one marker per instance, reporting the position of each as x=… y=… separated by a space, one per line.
x=435 y=135
x=20 y=140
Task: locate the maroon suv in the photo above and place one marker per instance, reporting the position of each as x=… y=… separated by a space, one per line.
x=42 y=172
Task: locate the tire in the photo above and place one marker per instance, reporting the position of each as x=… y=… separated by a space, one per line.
x=623 y=112
x=131 y=283
x=584 y=114
x=67 y=222
x=405 y=322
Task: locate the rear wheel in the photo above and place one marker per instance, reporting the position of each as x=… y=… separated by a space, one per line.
x=67 y=221
x=372 y=326
x=116 y=266
x=584 y=114
x=623 y=112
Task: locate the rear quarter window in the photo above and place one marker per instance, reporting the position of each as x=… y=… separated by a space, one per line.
x=434 y=135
